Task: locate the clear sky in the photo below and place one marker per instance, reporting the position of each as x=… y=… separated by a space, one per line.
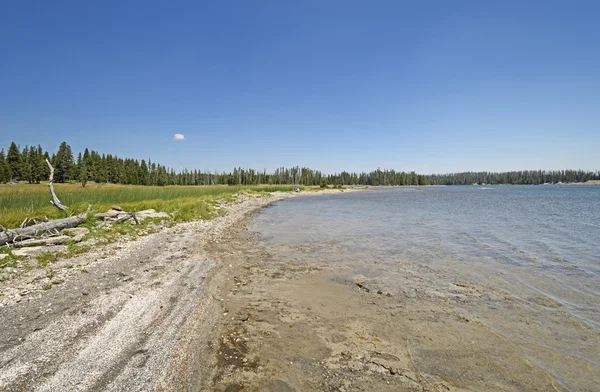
x=431 y=86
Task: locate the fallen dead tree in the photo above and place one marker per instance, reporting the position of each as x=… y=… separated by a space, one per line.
x=116 y=215
x=58 y=240
x=42 y=230
x=35 y=232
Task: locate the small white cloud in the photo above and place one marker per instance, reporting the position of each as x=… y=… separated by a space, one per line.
x=178 y=136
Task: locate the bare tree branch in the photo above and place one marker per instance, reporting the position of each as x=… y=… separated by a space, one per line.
x=54 y=200
x=127 y=217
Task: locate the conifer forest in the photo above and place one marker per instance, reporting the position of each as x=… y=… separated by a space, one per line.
x=29 y=164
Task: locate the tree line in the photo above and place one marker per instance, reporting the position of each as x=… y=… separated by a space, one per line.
x=28 y=164
x=523 y=177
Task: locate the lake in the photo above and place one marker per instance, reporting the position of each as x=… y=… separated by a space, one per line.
x=536 y=248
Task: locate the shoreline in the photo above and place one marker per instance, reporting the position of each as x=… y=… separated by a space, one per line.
x=293 y=322
x=120 y=316
x=298 y=327
x=204 y=306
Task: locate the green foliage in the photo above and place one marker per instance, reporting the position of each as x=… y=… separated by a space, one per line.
x=46 y=258
x=10 y=260
x=15 y=161
x=63 y=163
x=74 y=249
x=5 y=173
x=323 y=183
x=94 y=167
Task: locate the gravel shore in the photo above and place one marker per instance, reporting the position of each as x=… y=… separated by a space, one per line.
x=133 y=315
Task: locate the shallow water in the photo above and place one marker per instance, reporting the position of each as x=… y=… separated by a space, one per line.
x=538 y=246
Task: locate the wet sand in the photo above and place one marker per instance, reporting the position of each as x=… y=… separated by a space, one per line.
x=292 y=324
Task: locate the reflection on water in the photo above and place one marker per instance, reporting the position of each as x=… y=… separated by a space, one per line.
x=537 y=246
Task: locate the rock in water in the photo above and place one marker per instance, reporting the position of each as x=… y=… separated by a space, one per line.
x=360 y=281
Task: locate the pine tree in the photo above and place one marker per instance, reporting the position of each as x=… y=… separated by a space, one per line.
x=5 y=174
x=83 y=173
x=45 y=169
x=144 y=174
x=15 y=162
x=101 y=169
x=26 y=168
x=87 y=164
x=414 y=178
x=77 y=168
x=41 y=169
x=63 y=163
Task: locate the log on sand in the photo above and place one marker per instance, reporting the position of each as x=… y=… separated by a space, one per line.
x=59 y=240
x=36 y=231
x=117 y=216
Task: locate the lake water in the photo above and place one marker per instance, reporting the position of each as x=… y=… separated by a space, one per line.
x=539 y=246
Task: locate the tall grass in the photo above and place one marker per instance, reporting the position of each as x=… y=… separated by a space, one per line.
x=18 y=202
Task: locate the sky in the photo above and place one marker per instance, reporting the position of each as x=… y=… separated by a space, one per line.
x=430 y=86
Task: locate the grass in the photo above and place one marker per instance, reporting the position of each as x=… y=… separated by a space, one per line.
x=183 y=203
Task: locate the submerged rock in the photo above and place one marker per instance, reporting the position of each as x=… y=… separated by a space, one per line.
x=360 y=281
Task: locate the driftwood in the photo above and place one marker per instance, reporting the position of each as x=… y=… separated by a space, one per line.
x=111 y=214
x=42 y=229
x=61 y=239
x=116 y=216
x=127 y=217
x=54 y=200
x=33 y=221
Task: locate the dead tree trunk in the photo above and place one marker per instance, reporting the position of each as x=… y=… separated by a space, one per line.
x=38 y=230
x=127 y=217
x=54 y=200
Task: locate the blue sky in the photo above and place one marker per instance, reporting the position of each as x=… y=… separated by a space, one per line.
x=431 y=86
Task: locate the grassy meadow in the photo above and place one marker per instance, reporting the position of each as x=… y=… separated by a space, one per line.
x=184 y=203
